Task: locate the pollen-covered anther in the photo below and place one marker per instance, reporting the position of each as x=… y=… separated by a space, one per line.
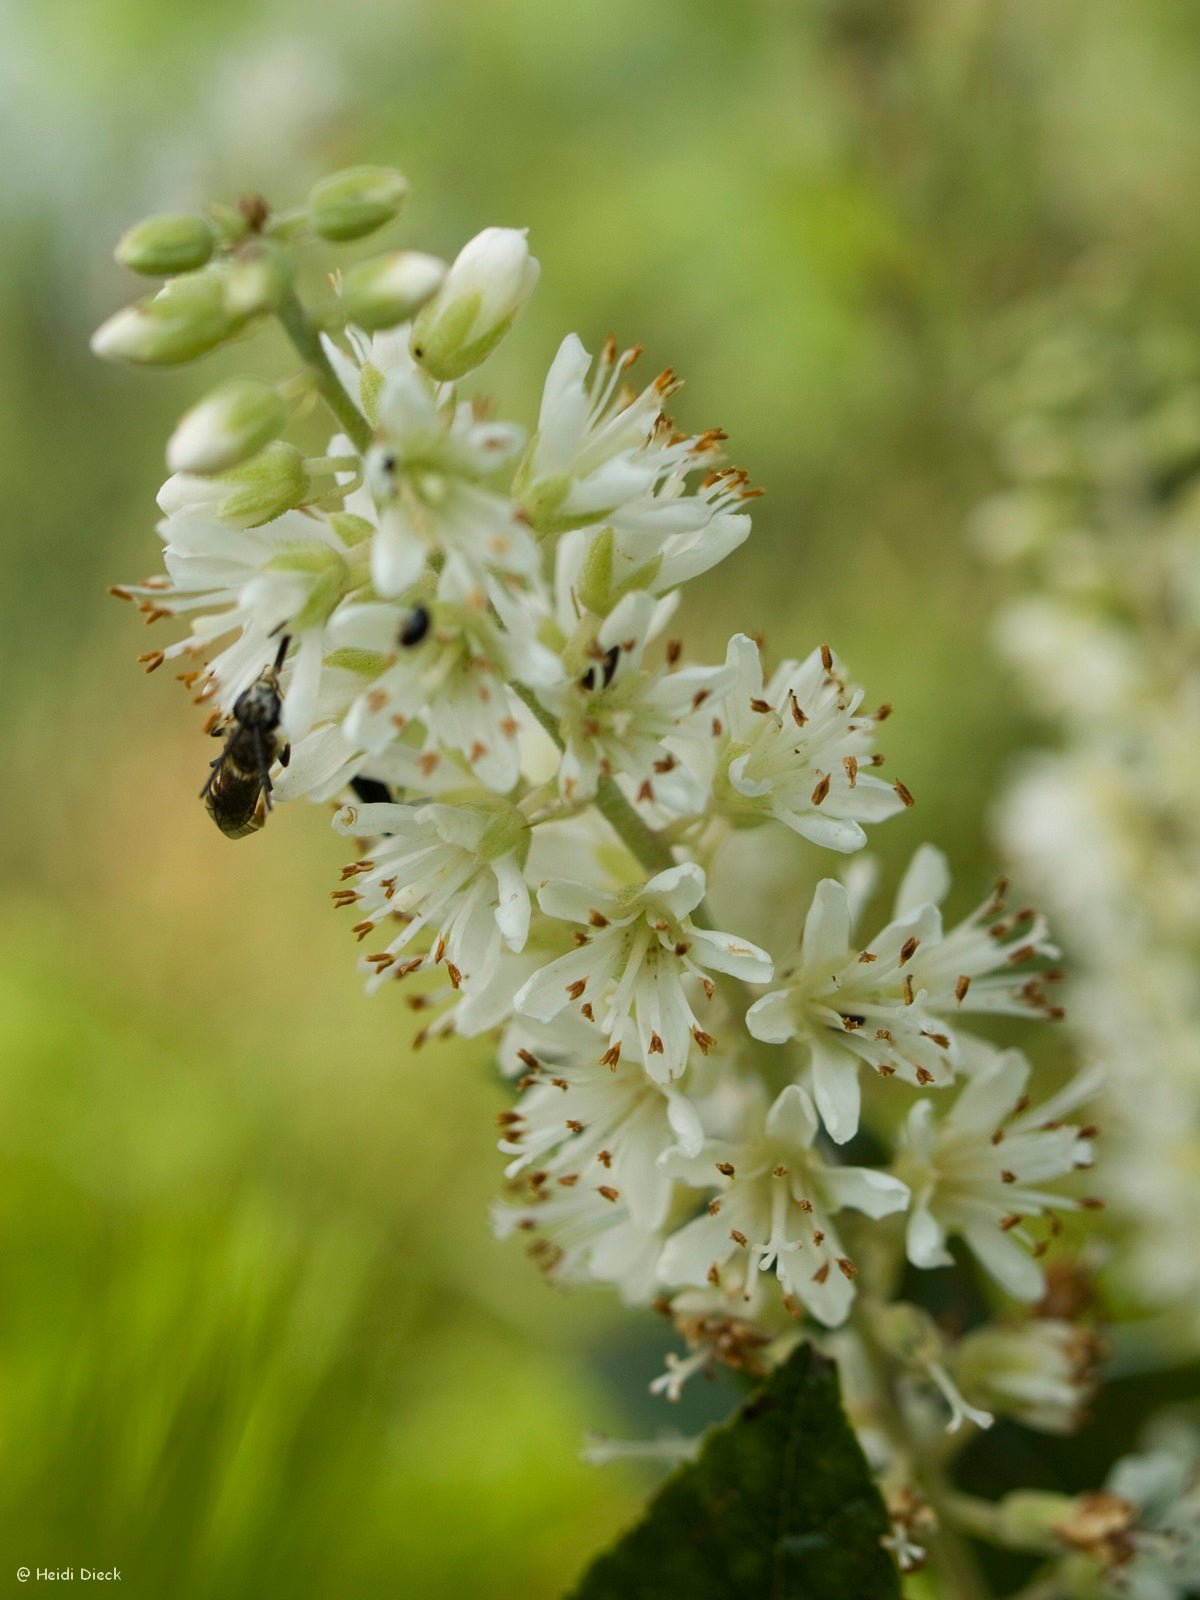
x=604 y=1157
x=961 y=987
x=152 y=660
x=923 y=1076
x=611 y=1057
x=763 y=707
x=850 y=763
x=821 y=1273
x=846 y=1267
x=656 y=1046
x=798 y=716
x=575 y=990
x=866 y=957
x=344 y=897
x=362 y=929
x=738 y=1237
x=725 y=1168
x=909 y=949
x=704 y=1041
x=821 y=791
x=904 y=792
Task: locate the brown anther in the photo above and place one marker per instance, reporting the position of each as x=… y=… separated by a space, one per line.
x=1025 y=953
x=667 y=764
x=940 y=1039
x=908 y=989
x=604 y=1157
x=718 y=727
x=574 y=990
x=821 y=1273
x=645 y=792
x=682 y=947
x=851 y=1023
x=362 y=929
x=586 y=1012
x=713 y=1207
x=560 y=1083
x=885 y=1069
x=704 y=1041
x=904 y=793
x=821 y=791
x=528 y=1059
x=909 y=949
x=608 y=1192
x=961 y=987
x=611 y=1056
x=568 y=1180
x=674 y=651
x=867 y=956
x=818 y=1237
x=657 y=1048
x=883 y=713
x=427 y=763
x=738 y=1237
x=846 y=1267
x=805 y=1205
x=1007 y=1224
x=725 y=1168
x=344 y=897
x=1008 y=1177
x=798 y=716
x=1092 y=1202
x=827 y=658
x=152 y=660
x=763 y=707
x=851 y=765
x=924 y=1077
x=700 y=696
x=597 y=919
x=998 y=1136
x=779 y=1172
x=713 y=1275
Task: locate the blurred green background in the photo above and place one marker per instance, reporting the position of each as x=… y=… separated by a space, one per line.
x=255 y=1337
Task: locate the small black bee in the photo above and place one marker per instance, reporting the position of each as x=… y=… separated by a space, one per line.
x=237 y=795
x=415 y=626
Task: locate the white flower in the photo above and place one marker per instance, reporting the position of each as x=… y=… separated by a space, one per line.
x=614 y=716
x=584 y=1231
x=450 y=872
x=453 y=680
x=799 y=750
x=257 y=583
x=641 y=947
x=485 y=290
x=1160 y=1557
x=1042 y=1372
x=612 y=1127
x=894 y=1004
x=775 y=1200
x=983 y=1167
x=426 y=475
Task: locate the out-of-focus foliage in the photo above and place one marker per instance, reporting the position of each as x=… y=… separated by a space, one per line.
x=254 y=1336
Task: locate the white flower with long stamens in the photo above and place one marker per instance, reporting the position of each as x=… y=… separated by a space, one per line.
x=800 y=750
x=604 y=1127
x=775 y=1200
x=894 y=1004
x=584 y=1231
x=257 y=584
x=641 y=948
x=449 y=872
x=427 y=475
x=983 y=1167
x=614 y=716
x=453 y=679
x=603 y=454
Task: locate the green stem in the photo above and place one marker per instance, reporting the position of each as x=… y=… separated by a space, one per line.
x=300 y=330
x=952 y=1556
x=650 y=849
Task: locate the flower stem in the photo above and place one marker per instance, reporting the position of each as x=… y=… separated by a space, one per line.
x=650 y=849
x=300 y=330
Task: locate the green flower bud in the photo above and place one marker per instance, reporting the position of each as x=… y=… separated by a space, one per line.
x=270 y=483
x=351 y=204
x=484 y=293
x=256 y=280
x=187 y=317
x=231 y=424
x=178 y=241
x=390 y=289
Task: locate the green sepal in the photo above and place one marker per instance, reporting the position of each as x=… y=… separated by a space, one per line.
x=177 y=241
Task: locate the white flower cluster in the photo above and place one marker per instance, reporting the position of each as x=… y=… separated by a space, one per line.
x=461 y=635
x=1100 y=529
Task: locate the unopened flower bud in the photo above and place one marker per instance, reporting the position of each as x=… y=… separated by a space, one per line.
x=256 y=280
x=390 y=289
x=485 y=291
x=351 y=204
x=162 y=246
x=186 y=318
x=257 y=491
x=231 y=424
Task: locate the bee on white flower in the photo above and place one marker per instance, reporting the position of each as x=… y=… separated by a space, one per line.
x=798 y=749
x=635 y=961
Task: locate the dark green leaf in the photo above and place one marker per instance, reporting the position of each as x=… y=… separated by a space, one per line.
x=780 y=1505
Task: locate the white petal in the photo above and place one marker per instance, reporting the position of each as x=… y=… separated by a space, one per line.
x=875 y=1194
x=836 y=1089
x=1011 y=1266
x=827 y=928
x=771 y=1019
x=676 y=891
x=724 y=952
x=792 y=1121
x=927 y=881
x=925 y=1238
